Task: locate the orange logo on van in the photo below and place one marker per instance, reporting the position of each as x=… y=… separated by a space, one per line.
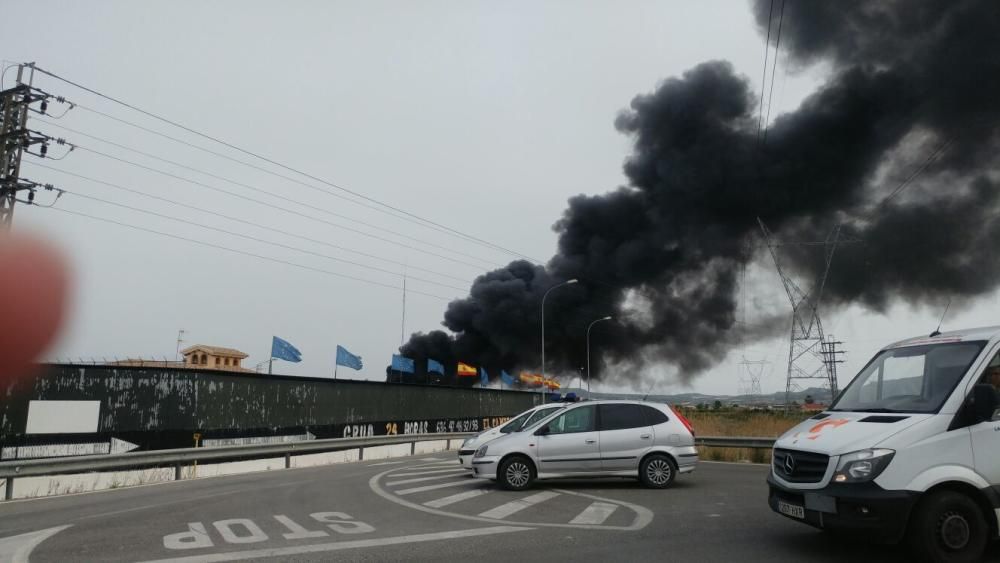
x=834 y=423
x=815 y=431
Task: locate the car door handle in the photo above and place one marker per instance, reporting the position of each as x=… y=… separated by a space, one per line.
x=646 y=436
x=590 y=441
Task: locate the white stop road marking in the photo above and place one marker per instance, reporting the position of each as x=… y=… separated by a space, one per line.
x=337 y=546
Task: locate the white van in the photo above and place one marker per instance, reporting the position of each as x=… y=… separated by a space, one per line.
x=910 y=449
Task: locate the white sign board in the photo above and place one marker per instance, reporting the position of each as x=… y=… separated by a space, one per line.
x=62 y=417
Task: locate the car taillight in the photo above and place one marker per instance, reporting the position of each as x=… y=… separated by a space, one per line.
x=684 y=421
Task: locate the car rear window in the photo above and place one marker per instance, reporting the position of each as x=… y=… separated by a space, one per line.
x=654 y=416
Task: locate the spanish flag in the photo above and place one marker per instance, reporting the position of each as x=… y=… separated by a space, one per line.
x=465 y=370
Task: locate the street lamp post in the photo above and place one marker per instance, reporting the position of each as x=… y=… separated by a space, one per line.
x=567 y=282
x=591 y=325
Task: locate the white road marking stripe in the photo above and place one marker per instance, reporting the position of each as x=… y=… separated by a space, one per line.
x=445 y=501
x=514 y=506
x=596 y=513
x=420 y=479
x=337 y=546
x=432 y=487
x=17 y=549
x=438 y=462
x=642 y=519
x=451 y=464
x=385 y=463
x=433 y=472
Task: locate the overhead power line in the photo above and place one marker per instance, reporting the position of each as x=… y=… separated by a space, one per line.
x=258 y=156
x=908 y=181
x=234 y=160
x=245 y=253
x=284 y=209
x=774 y=68
x=763 y=78
x=212 y=212
x=252 y=238
x=241 y=184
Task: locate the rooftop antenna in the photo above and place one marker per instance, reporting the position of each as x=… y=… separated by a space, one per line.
x=937 y=330
x=649 y=390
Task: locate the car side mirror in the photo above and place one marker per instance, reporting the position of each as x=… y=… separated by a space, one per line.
x=984 y=402
x=543 y=431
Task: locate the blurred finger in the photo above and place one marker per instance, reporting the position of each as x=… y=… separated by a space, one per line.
x=34 y=281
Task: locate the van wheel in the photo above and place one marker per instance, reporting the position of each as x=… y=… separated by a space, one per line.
x=516 y=473
x=657 y=471
x=947 y=527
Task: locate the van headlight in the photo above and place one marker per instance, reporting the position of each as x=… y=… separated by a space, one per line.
x=861 y=466
x=481 y=452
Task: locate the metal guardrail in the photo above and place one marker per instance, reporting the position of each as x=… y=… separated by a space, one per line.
x=734 y=442
x=178 y=458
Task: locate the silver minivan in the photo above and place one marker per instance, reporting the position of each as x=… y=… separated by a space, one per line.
x=649 y=441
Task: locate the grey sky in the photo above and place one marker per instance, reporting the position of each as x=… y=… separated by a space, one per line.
x=482 y=116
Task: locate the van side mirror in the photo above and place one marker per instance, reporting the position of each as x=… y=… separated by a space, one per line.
x=543 y=431
x=984 y=402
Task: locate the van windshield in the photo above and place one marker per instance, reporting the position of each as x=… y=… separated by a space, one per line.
x=909 y=378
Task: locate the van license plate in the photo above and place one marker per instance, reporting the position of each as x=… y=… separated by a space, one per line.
x=791 y=510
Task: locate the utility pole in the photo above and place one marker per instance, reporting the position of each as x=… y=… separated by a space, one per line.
x=14 y=139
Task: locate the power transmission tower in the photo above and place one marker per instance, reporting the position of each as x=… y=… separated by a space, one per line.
x=751 y=372
x=810 y=354
x=15 y=138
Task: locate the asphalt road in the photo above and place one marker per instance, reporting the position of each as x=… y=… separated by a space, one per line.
x=422 y=509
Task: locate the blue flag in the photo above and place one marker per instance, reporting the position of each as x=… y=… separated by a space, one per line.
x=434 y=366
x=506 y=378
x=283 y=350
x=399 y=363
x=347 y=359
x=484 y=379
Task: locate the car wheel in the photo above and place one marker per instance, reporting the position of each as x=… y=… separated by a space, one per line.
x=516 y=473
x=657 y=471
x=947 y=526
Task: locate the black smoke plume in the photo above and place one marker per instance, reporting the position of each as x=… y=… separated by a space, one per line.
x=912 y=86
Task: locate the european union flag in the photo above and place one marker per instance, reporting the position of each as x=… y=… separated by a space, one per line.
x=399 y=363
x=484 y=379
x=506 y=378
x=434 y=366
x=283 y=350
x=347 y=359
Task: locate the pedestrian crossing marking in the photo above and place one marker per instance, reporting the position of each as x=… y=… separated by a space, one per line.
x=515 y=506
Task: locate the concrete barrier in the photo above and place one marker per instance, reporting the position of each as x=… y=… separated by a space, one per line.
x=385 y=452
x=33 y=487
x=431 y=447
x=326 y=458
